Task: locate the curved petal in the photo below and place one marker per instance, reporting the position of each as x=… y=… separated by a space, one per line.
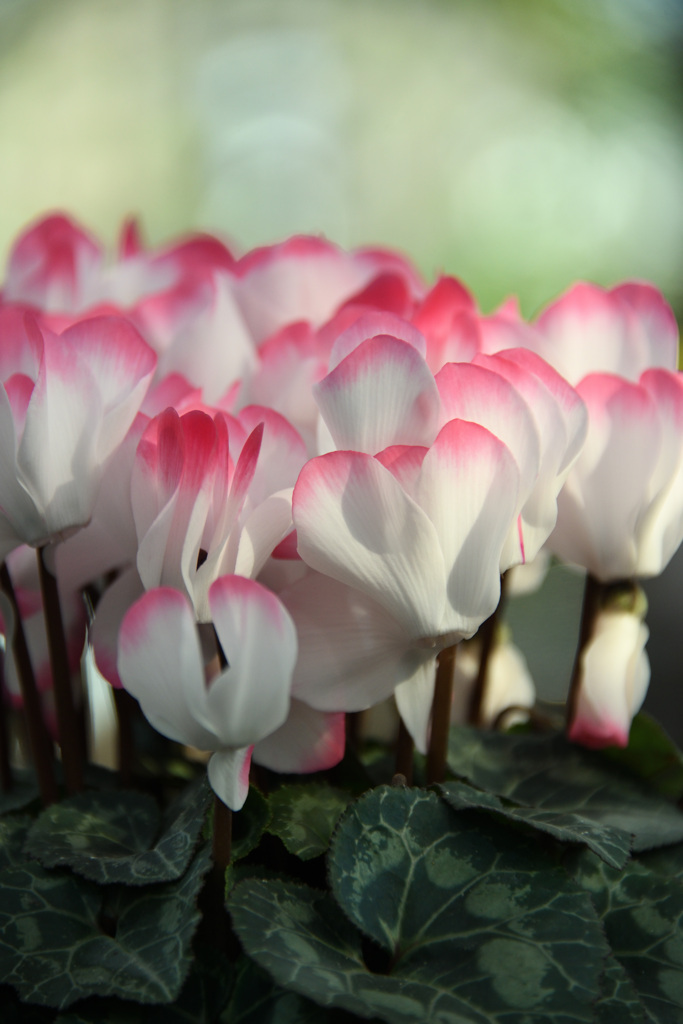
x=355 y=523
x=104 y=633
x=121 y=364
x=352 y=653
x=471 y=392
x=468 y=488
x=160 y=663
x=250 y=699
x=615 y=673
x=606 y=491
x=660 y=526
x=382 y=394
x=414 y=699
x=373 y=325
x=228 y=772
x=57 y=455
x=309 y=741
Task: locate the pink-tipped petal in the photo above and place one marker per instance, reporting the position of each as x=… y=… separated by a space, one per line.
x=355 y=523
x=309 y=741
x=382 y=394
x=603 y=497
x=468 y=488
x=373 y=325
x=615 y=673
x=160 y=663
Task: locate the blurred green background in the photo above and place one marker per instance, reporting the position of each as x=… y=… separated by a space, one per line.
x=519 y=144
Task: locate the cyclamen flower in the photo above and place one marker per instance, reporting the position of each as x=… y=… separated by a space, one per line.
x=415 y=536
x=623 y=330
x=614 y=677
x=66 y=403
x=620 y=513
x=243 y=711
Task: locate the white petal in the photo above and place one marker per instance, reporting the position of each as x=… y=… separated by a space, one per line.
x=309 y=741
x=414 y=700
x=355 y=523
x=250 y=699
x=228 y=772
x=160 y=663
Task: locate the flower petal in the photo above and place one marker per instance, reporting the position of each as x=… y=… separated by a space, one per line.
x=228 y=772
x=468 y=488
x=309 y=741
x=250 y=699
x=382 y=394
x=355 y=523
x=160 y=663
x=352 y=653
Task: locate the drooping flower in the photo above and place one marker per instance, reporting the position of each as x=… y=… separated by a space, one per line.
x=614 y=674
x=66 y=403
x=242 y=711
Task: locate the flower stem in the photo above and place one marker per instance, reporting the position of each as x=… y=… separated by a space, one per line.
x=404 y=754
x=70 y=731
x=487 y=636
x=125 y=711
x=5 y=767
x=38 y=736
x=441 y=716
x=222 y=834
x=592 y=600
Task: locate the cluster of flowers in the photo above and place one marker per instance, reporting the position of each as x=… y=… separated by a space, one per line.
x=297 y=477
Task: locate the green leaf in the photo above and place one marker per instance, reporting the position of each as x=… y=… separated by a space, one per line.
x=201 y=1000
x=618 y=1002
x=12 y=837
x=54 y=948
x=642 y=914
x=667 y=862
x=477 y=926
x=652 y=756
x=612 y=844
x=23 y=792
x=256 y=998
x=249 y=824
x=107 y=836
x=549 y=772
x=304 y=817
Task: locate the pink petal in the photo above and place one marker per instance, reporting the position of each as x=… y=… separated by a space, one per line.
x=660 y=527
x=51 y=264
x=372 y=325
x=470 y=392
x=121 y=364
